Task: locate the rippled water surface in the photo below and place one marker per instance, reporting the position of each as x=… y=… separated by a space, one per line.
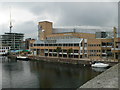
x=36 y=74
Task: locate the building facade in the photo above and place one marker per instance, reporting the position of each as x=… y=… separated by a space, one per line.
x=116 y=46
x=12 y=40
x=74 y=43
x=3 y=49
x=29 y=43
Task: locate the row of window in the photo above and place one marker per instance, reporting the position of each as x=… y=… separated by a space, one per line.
x=85 y=45
x=107 y=44
x=94 y=50
x=56 y=44
x=60 y=37
x=94 y=55
x=2 y=51
x=93 y=45
x=75 y=51
x=4 y=47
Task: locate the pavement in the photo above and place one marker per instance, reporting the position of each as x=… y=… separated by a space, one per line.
x=0 y=76
x=107 y=79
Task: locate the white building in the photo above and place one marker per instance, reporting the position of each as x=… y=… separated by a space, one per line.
x=4 y=50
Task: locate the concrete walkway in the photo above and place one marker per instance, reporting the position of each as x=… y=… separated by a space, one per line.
x=107 y=79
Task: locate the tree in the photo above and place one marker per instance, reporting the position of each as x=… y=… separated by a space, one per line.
x=58 y=49
x=69 y=51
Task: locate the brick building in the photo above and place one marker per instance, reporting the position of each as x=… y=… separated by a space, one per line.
x=29 y=43
x=81 y=43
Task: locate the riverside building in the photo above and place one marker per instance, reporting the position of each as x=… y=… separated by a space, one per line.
x=12 y=40
x=3 y=49
x=29 y=43
x=76 y=42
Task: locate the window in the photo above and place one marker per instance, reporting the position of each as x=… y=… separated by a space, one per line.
x=46 y=44
x=50 y=50
x=64 y=50
x=104 y=44
x=71 y=44
x=76 y=44
x=81 y=44
x=81 y=51
x=50 y=44
x=63 y=44
x=42 y=44
x=85 y=51
x=85 y=55
x=76 y=51
x=85 y=44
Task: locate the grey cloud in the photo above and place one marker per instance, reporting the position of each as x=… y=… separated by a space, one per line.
x=78 y=13
x=29 y=28
x=70 y=14
x=99 y=14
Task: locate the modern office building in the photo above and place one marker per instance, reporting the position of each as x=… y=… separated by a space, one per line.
x=12 y=40
x=3 y=49
x=80 y=42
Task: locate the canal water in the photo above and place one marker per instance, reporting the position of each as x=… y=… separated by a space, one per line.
x=37 y=74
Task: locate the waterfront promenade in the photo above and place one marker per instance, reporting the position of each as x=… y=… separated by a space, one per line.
x=84 y=61
x=107 y=79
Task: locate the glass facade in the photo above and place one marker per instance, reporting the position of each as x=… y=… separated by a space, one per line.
x=14 y=40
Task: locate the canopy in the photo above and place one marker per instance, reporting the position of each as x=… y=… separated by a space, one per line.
x=15 y=51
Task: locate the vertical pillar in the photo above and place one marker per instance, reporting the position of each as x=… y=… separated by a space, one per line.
x=79 y=54
x=32 y=51
x=48 y=52
x=73 y=50
x=62 y=53
x=52 y=52
x=62 y=50
x=67 y=54
x=114 y=56
x=40 y=51
x=73 y=53
x=36 y=52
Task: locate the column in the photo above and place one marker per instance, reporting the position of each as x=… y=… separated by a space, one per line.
x=48 y=52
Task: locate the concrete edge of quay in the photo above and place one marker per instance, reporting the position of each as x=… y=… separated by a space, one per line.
x=76 y=61
x=106 y=80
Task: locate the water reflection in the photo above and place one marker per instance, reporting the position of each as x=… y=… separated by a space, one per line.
x=99 y=69
x=36 y=74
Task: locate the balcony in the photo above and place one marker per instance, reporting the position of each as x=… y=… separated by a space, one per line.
x=106 y=46
x=115 y=48
x=104 y=53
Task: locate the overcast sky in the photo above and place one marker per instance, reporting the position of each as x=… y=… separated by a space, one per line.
x=26 y=15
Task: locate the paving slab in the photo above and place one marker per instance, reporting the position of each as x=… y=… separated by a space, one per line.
x=107 y=79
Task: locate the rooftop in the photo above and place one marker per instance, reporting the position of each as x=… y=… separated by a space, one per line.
x=82 y=29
